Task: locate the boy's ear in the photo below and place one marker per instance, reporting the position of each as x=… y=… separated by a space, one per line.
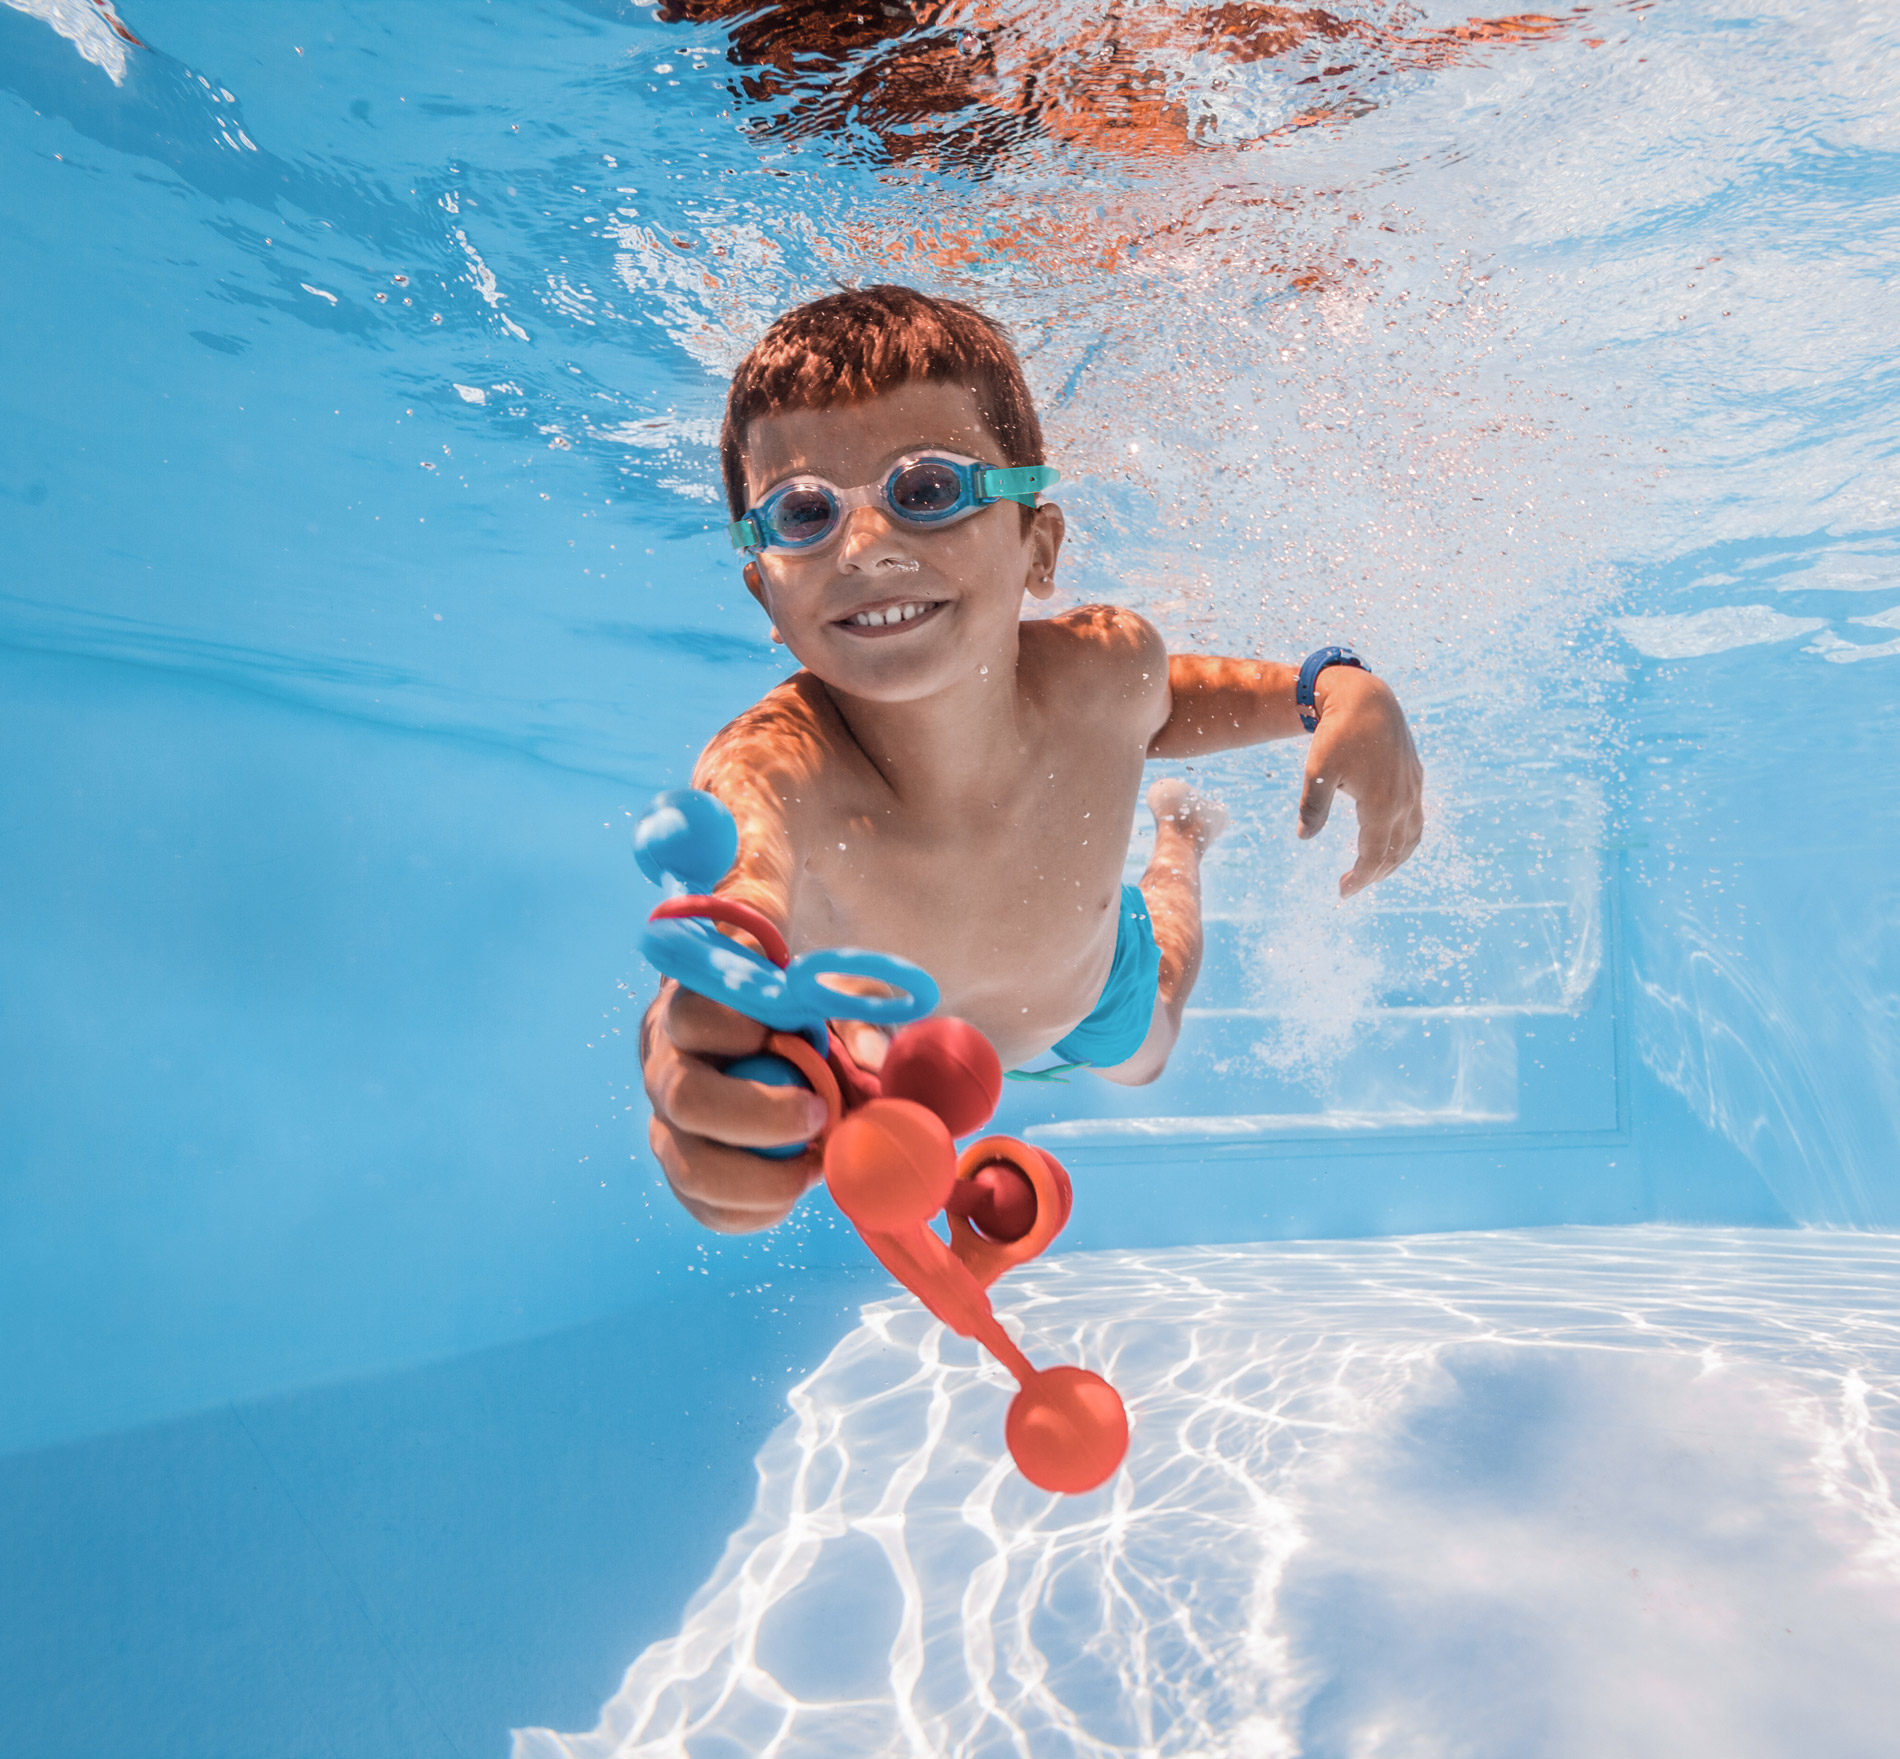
x=755 y=585
x=1045 y=545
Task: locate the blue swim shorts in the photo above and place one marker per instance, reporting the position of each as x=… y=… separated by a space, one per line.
x=1119 y=1021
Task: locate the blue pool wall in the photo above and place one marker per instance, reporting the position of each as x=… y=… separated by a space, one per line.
x=319 y=1061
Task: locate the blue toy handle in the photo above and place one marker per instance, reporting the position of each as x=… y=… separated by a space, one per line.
x=917 y=989
x=696 y=955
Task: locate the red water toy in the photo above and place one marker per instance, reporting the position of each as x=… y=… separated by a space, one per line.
x=890 y=1159
x=892 y=1167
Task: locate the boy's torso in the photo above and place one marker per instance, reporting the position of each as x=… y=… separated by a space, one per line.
x=1012 y=900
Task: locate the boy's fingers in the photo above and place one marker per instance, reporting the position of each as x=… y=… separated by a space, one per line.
x=1377 y=857
x=706 y=1028
x=1316 y=798
x=1386 y=841
x=690 y=1094
x=725 y=1188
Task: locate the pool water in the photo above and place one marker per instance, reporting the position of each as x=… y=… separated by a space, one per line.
x=366 y=1392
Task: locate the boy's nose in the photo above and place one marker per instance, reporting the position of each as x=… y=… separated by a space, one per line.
x=869 y=536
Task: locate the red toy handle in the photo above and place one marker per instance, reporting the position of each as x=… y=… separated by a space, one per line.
x=733 y=914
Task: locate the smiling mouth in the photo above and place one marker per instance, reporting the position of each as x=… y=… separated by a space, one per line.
x=890 y=617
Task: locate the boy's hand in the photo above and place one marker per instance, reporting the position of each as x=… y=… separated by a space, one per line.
x=703 y=1121
x=1363 y=746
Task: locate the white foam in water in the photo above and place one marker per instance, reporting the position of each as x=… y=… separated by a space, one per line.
x=88 y=25
x=1579 y=1492
x=1691 y=634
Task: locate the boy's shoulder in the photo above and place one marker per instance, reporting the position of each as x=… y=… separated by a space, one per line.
x=1104 y=629
x=785 y=734
x=1103 y=656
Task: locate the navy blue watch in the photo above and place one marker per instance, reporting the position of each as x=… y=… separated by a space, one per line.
x=1315 y=663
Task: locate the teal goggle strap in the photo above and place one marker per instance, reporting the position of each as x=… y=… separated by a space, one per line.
x=1020 y=483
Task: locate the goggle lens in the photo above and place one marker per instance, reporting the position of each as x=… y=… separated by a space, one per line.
x=802 y=515
x=927 y=490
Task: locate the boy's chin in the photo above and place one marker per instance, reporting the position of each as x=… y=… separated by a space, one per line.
x=879 y=673
x=887 y=684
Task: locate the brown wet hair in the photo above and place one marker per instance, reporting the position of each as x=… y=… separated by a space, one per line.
x=858 y=344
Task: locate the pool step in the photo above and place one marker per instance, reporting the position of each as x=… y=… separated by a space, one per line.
x=1492 y=1019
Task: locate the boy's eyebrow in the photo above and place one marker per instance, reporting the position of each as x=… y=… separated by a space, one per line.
x=903 y=451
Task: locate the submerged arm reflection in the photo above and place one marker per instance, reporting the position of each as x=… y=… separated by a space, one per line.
x=962 y=81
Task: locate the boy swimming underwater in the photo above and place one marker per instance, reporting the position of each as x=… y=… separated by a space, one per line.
x=943 y=780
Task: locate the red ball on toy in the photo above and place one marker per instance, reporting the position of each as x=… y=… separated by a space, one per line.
x=947 y=1065
x=890 y=1165
x=1067 y=1431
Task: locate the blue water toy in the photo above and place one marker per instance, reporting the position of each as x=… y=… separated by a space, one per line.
x=689 y=836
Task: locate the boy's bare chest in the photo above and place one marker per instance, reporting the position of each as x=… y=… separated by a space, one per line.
x=1010 y=902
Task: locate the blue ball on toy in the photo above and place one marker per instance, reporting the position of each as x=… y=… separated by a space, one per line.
x=689 y=834
x=773 y=1072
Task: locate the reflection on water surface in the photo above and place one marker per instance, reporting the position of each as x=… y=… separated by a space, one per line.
x=956 y=83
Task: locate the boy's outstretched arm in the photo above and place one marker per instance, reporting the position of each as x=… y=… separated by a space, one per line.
x=704 y=1121
x=1362 y=745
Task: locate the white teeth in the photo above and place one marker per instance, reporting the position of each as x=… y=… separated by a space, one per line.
x=896 y=614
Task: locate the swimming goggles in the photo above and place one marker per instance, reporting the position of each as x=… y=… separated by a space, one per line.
x=923 y=489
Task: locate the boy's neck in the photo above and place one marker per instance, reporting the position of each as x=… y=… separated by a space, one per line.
x=947 y=751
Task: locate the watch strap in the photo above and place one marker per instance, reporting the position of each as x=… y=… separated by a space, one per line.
x=1315 y=663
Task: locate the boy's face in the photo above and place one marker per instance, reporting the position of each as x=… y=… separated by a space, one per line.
x=963 y=582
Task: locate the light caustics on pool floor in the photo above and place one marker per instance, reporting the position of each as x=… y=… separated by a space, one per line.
x=1568 y=1492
